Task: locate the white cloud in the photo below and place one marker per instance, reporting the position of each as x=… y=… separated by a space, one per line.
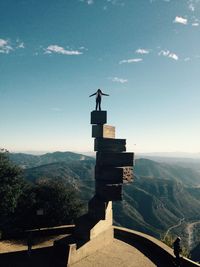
x=119 y=80
x=192 y=4
x=89 y=2
x=180 y=20
x=21 y=45
x=131 y=60
x=164 y=53
x=142 y=51
x=167 y=53
x=60 y=50
x=191 y=7
x=83 y=48
x=113 y=3
x=173 y=56
x=5 y=47
x=167 y=1
x=195 y=24
x=187 y=59
x=116 y=2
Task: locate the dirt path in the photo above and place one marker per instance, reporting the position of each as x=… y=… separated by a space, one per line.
x=19 y=245
x=190 y=231
x=172 y=227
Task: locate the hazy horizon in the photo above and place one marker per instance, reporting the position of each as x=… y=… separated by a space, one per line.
x=175 y=154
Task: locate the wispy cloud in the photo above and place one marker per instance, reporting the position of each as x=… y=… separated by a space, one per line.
x=142 y=51
x=131 y=60
x=180 y=20
x=195 y=24
x=173 y=56
x=5 y=47
x=20 y=45
x=61 y=50
x=89 y=2
x=83 y=48
x=56 y=109
x=119 y=80
x=167 y=53
x=116 y=2
x=192 y=4
x=151 y=1
x=187 y=59
x=191 y=7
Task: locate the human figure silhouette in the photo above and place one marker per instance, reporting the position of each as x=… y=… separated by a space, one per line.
x=177 y=250
x=29 y=244
x=98 y=94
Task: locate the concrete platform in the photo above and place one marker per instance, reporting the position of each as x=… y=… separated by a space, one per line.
x=117 y=254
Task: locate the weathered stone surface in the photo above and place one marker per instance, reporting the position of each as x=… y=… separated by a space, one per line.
x=98 y=117
x=97 y=208
x=114 y=175
x=76 y=253
x=110 y=175
x=103 y=131
x=127 y=174
x=108 y=192
x=109 y=145
x=87 y=228
x=114 y=159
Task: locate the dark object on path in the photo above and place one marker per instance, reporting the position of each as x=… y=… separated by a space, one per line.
x=29 y=244
x=98 y=94
x=177 y=251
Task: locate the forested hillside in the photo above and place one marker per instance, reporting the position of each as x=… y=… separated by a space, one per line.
x=160 y=196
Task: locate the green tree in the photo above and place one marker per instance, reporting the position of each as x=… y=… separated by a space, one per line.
x=57 y=200
x=11 y=184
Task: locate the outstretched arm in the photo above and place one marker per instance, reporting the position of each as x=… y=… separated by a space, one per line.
x=92 y=94
x=105 y=94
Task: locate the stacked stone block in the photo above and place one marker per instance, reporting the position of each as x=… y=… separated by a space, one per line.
x=113 y=165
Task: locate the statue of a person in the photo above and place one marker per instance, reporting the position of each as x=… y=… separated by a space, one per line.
x=98 y=94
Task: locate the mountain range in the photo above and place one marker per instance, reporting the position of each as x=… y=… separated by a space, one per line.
x=161 y=195
x=28 y=160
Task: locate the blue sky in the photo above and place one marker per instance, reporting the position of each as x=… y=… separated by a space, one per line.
x=144 y=53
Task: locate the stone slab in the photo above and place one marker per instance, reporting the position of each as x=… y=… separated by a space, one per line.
x=98 y=117
x=108 y=192
x=87 y=228
x=109 y=145
x=114 y=159
x=103 y=131
x=97 y=208
x=114 y=175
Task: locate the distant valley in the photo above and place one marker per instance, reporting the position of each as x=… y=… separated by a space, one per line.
x=161 y=195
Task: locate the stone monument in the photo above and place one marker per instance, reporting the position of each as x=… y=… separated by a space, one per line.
x=114 y=167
